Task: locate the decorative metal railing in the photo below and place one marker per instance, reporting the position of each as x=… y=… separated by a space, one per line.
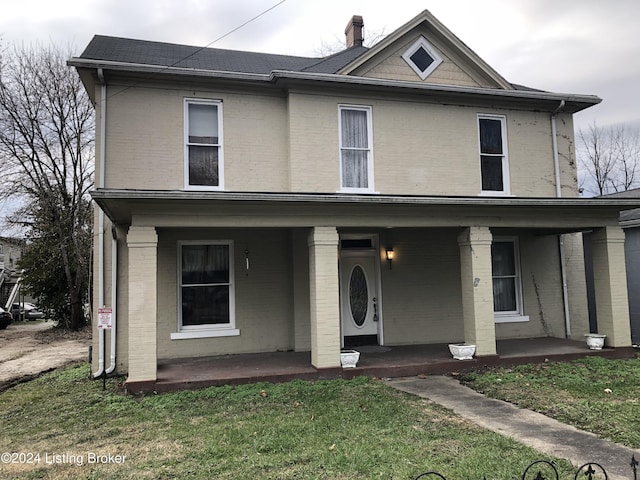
x=544 y=470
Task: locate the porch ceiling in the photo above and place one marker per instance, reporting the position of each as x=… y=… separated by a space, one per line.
x=161 y=208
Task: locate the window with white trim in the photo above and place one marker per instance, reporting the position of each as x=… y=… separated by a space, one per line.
x=507 y=283
x=494 y=165
x=356 y=154
x=206 y=288
x=422 y=58
x=204 y=164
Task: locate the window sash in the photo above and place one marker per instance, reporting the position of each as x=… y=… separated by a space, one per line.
x=494 y=168
x=203 y=144
x=356 y=164
x=507 y=286
x=205 y=285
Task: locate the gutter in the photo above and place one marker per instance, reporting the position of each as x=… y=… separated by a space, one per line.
x=276 y=77
x=324 y=198
x=114 y=298
x=103 y=128
x=563 y=261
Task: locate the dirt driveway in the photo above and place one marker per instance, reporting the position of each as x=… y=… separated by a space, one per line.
x=31 y=348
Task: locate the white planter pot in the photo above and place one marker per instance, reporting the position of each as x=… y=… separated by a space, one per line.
x=462 y=351
x=349 y=358
x=595 y=341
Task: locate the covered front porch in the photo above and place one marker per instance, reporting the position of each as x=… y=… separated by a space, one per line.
x=379 y=362
x=285 y=261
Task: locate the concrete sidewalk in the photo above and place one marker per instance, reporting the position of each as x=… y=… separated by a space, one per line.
x=530 y=428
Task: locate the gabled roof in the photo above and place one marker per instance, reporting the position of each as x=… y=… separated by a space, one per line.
x=343 y=69
x=142 y=52
x=445 y=35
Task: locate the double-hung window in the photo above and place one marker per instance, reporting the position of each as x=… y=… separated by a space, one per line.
x=494 y=164
x=507 y=283
x=356 y=154
x=205 y=290
x=204 y=165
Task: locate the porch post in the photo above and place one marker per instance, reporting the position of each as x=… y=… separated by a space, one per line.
x=324 y=297
x=477 y=289
x=610 y=281
x=142 y=243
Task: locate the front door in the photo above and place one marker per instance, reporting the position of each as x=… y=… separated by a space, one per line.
x=359 y=300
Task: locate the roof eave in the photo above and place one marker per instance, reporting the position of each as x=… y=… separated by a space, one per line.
x=578 y=102
x=617 y=203
x=168 y=70
x=286 y=77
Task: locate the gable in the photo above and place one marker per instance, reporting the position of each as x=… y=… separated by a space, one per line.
x=449 y=60
x=393 y=64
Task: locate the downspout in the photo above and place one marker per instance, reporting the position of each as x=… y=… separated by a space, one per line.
x=114 y=298
x=563 y=263
x=103 y=128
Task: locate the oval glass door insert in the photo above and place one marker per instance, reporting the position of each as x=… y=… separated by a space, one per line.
x=358 y=295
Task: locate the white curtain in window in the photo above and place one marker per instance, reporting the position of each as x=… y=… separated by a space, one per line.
x=503 y=262
x=355 y=148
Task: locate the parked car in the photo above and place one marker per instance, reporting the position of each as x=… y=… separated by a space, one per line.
x=5 y=318
x=28 y=309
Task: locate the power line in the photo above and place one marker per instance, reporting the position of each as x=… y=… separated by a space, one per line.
x=198 y=50
x=228 y=33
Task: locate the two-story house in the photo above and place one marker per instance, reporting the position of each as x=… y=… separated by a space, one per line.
x=403 y=194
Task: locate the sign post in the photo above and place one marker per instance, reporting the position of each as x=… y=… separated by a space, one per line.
x=104 y=323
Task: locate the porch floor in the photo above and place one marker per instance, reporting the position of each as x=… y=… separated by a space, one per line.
x=392 y=361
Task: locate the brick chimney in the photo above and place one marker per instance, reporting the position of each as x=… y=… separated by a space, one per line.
x=354 y=32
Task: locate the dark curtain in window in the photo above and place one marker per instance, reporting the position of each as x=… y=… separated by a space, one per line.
x=490 y=136
x=203 y=166
x=205 y=284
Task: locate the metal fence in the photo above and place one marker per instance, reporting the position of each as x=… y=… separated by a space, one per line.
x=544 y=470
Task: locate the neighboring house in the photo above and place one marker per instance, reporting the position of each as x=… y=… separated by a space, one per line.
x=254 y=200
x=630 y=223
x=10 y=254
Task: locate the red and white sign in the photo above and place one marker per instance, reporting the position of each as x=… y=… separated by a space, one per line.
x=104 y=318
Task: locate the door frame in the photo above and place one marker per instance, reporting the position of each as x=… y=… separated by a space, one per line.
x=373 y=252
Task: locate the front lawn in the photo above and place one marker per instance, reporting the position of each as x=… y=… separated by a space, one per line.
x=359 y=429
x=594 y=394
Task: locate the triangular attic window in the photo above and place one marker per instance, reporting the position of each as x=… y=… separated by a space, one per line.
x=422 y=58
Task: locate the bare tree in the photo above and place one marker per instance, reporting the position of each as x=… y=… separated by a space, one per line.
x=336 y=45
x=47 y=159
x=608 y=158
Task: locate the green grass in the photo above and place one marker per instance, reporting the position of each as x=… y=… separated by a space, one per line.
x=594 y=394
x=358 y=429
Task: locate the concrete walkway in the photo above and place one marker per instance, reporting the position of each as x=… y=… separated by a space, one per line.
x=530 y=428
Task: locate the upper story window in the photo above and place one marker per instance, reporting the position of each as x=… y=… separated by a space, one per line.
x=356 y=154
x=494 y=164
x=204 y=165
x=422 y=58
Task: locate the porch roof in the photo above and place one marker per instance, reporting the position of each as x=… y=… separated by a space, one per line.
x=180 y=208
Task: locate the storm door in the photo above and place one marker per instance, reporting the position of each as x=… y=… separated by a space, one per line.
x=359 y=293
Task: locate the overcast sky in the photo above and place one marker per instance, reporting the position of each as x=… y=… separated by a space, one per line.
x=566 y=46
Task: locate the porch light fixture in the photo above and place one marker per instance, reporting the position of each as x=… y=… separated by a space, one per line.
x=390 y=254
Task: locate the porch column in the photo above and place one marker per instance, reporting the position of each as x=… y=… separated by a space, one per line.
x=324 y=297
x=142 y=243
x=610 y=281
x=477 y=289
